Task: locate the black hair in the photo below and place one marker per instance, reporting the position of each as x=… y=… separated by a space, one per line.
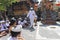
x=14 y=34
x=12 y=22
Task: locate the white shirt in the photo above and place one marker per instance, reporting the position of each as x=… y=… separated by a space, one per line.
x=19 y=22
x=32 y=14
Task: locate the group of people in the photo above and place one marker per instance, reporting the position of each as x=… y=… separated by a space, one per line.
x=14 y=26
x=4 y=24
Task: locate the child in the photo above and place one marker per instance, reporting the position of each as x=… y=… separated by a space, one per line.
x=7 y=22
x=26 y=23
x=12 y=25
x=19 y=21
x=16 y=34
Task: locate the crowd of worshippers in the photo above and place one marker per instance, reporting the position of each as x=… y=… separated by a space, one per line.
x=11 y=26
x=5 y=24
x=14 y=26
x=4 y=27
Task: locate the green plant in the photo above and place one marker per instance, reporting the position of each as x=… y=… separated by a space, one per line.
x=5 y=3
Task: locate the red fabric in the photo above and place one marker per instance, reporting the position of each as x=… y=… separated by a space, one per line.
x=57 y=4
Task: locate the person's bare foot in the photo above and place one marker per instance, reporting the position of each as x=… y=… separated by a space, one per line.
x=3 y=33
x=20 y=38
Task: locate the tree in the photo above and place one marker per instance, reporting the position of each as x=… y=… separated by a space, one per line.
x=5 y=3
